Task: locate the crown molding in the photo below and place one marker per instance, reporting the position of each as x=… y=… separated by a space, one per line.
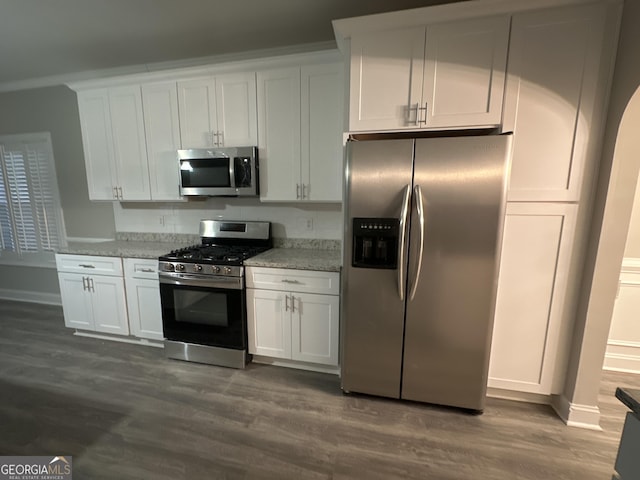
x=176 y=68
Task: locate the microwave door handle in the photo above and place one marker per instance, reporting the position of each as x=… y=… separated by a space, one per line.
x=232 y=172
x=401 y=247
x=420 y=211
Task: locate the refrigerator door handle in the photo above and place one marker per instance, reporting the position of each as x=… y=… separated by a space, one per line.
x=401 y=247
x=420 y=210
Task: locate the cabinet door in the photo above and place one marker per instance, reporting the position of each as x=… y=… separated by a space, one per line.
x=109 y=306
x=162 y=129
x=197 y=111
x=269 y=323
x=279 y=134
x=464 y=72
x=97 y=142
x=237 y=117
x=386 y=79
x=530 y=305
x=314 y=328
x=76 y=301
x=321 y=132
x=130 y=149
x=143 y=306
x=551 y=86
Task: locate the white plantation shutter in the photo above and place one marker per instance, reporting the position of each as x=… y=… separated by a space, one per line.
x=29 y=219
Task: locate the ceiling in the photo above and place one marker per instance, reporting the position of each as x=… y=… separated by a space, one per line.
x=52 y=41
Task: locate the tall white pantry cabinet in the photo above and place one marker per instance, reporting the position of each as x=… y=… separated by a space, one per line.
x=542 y=74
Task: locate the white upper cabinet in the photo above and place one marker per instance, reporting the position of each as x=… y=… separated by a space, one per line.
x=552 y=93
x=97 y=142
x=218 y=111
x=114 y=143
x=448 y=75
x=279 y=134
x=464 y=72
x=162 y=130
x=386 y=79
x=300 y=112
x=322 y=96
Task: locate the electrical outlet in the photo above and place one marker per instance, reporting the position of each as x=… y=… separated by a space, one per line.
x=304 y=223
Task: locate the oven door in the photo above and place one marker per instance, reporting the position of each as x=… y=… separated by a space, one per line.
x=211 y=313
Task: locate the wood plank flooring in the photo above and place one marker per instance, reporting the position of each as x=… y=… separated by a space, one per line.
x=124 y=411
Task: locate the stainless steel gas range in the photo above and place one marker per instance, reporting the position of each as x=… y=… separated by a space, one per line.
x=202 y=291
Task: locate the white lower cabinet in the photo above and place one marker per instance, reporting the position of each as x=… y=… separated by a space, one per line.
x=143 y=298
x=92 y=292
x=286 y=321
x=532 y=306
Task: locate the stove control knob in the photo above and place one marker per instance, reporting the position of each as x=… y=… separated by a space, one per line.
x=180 y=267
x=169 y=267
x=197 y=268
x=227 y=270
x=215 y=269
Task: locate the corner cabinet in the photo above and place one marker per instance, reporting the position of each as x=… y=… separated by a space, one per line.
x=92 y=291
x=113 y=138
x=285 y=320
x=218 y=111
x=448 y=75
x=300 y=112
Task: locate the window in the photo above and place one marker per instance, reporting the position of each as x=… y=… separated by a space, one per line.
x=30 y=217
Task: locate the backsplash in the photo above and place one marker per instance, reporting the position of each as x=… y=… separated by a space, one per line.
x=175 y=238
x=317 y=222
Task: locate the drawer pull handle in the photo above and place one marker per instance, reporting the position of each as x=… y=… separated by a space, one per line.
x=147 y=270
x=291 y=281
x=86 y=265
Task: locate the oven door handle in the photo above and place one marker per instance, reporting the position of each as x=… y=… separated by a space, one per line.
x=205 y=281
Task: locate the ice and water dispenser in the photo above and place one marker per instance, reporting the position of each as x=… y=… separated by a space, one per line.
x=375 y=242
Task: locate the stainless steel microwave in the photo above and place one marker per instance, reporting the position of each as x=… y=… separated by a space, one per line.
x=228 y=172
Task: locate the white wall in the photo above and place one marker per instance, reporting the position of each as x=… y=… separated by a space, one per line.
x=321 y=221
x=623 y=345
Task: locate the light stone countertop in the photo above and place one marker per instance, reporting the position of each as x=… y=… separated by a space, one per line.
x=122 y=248
x=299 y=259
x=320 y=255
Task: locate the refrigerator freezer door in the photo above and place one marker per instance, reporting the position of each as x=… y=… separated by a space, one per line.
x=450 y=319
x=378 y=173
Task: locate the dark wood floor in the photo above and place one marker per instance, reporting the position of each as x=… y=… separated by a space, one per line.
x=124 y=411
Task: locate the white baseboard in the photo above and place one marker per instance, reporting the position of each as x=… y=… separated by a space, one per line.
x=121 y=339
x=518 y=396
x=280 y=362
x=29 y=296
x=575 y=415
x=618 y=362
x=623 y=345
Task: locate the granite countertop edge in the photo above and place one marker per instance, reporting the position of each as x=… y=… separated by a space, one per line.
x=298 y=259
x=289 y=255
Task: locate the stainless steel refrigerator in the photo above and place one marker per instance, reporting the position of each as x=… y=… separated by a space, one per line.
x=423 y=225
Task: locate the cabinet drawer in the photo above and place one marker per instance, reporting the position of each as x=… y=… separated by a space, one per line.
x=141 y=268
x=306 y=281
x=89 y=264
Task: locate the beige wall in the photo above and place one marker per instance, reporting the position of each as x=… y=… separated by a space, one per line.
x=611 y=213
x=55 y=110
x=632 y=247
